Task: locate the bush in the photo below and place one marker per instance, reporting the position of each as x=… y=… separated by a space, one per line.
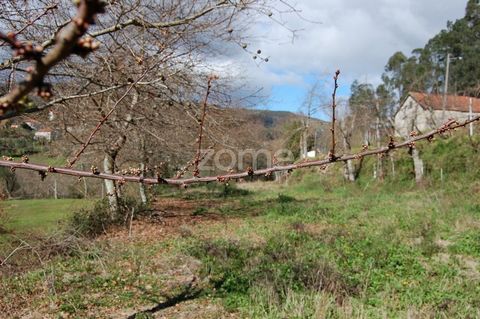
x=95 y=221
x=230 y=189
x=285 y=198
x=225 y=189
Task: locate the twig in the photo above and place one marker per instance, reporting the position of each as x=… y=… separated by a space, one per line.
x=196 y=171
x=41 y=15
x=137 y=22
x=131 y=222
x=68 y=41
x=331 y=155
x=185 y=169
x=19 y=247
x=44 y=169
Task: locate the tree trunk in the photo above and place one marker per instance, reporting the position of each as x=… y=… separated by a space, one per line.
x=417 y=164
x=392 y=162
x=349 y=167
x=143 y=194
x=304 y=142
x=417 y=161
x=380 y=174
x=349 y=171
x=109 y=168
x=143 y=152
x=113 y=191
x=55 y=194
x=85 y=188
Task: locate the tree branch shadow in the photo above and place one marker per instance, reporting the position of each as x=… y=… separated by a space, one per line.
x=188 y=293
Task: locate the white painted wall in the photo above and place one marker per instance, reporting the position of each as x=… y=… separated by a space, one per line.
x=43 y=135
x=413 y=117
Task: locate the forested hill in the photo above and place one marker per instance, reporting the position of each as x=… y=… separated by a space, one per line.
x=277 y=119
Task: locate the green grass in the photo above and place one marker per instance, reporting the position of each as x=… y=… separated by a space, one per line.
x=40 y=215
x=303 y=251
x=48 y=160
x=44 y=158
x=377 y=251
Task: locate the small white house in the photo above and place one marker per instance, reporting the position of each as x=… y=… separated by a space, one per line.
x=311 y=154
x=423 y=112
x=44 y=134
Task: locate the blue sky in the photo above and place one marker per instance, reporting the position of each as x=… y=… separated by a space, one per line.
x=289 y=97
x=354 y=36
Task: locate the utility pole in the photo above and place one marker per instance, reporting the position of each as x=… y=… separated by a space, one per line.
x=445 y=89
x=470 y=115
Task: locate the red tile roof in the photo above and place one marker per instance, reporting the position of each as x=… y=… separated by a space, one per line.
x=454 y=102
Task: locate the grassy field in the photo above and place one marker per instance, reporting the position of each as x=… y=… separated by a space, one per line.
x=39 y=215
x=47 y=160
x=313 y=249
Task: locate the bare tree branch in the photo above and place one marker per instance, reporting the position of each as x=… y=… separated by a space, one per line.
x=43 y=169
x=138 y=22
x=331 y=155
x=196 y=171
x=67 y=42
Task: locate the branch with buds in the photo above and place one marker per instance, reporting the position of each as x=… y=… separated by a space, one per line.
x=68 y=41
x=331 y=155
x=44 y=169
x=185 y=169
x=196 y=162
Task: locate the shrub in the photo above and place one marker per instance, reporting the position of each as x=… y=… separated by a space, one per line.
x=230 y=189
x=95 y=221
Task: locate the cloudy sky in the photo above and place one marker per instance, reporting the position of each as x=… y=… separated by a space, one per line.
x=354 y=36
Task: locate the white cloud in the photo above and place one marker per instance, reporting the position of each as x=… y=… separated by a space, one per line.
x=356 y=36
